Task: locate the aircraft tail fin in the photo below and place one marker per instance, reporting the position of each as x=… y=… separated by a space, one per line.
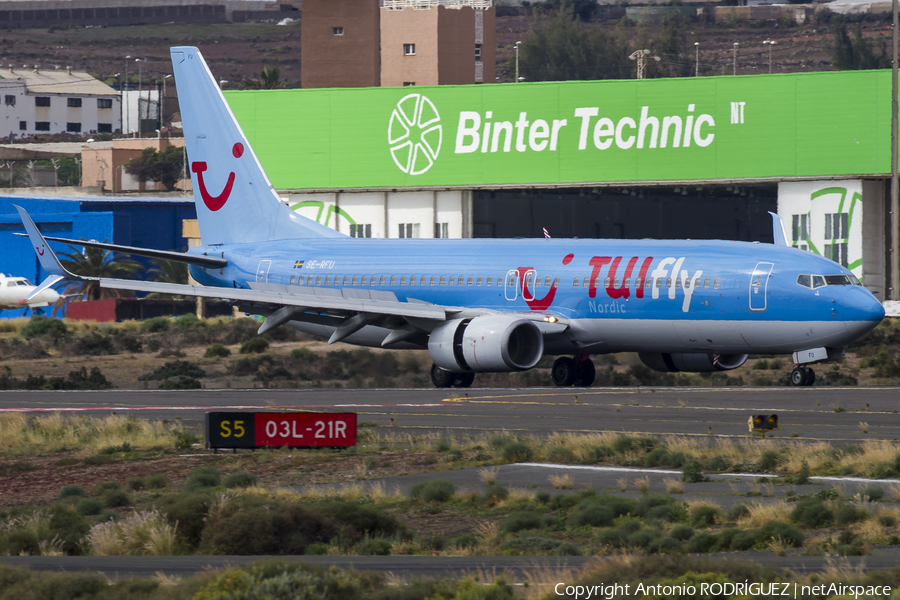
x=235 y=201
x=778 y=234
x=45 y=254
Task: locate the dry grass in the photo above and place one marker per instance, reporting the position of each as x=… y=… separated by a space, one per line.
x=488 y=475
x=863 y=427
x=517 y=496
x=760 y=514
x=562 y=482
x=893 y=492
x=623 y=484
x=777 y=546
x=140 y=533
x=642 y=484
x=673 y=486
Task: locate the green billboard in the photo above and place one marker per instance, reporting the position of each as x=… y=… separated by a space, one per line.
x=794 y=125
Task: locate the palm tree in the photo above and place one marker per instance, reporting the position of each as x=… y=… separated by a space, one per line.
x=168 y=271
x=268 y=79
x=95 y=263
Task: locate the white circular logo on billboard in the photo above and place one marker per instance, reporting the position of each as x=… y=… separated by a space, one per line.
x=414 y=134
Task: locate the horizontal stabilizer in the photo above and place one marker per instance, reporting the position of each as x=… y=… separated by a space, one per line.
x=213 y=262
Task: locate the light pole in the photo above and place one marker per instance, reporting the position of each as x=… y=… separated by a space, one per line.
x=770 y=43
x=125 y=98
x=140 y=82
x=734 y=67
x=517 y=60
x=697 y=59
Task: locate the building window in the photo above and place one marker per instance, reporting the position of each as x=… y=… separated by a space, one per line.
x=337 y=31
x=104 y=127
x=409 y=83
x=442 y=230
x=73 y=102
x=42 y=101
x=23 y=125
x=360 y=230
x=837 y=252
x=104 y=102
x=10 y=100
x=42 y=126
x=73 y=127
x=837 y=226
x=477 y=52
x=409 y=49
x=409 y=230
x=800 y=231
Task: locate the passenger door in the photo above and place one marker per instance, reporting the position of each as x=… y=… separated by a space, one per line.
x=511 y=285
x=262 y=271
x=759 y=281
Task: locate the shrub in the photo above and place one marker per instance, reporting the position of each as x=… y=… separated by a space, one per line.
x=94 y=344
x=736 y=512
x=156 y=325
x=255 y=345
x=495 y=493
x=627 y=443
x=516 y=452
x=692 y=472
x=811 y=512
x=188 y=512
x=768 y=460
x=175 y=368
x=303 y=355
x=543 y=497
x=593 y=514
x=135 y=484
x=216 y=351
x=89 y=506
x=374 y=547
x=874 y=493
x=790 y=535
x=467 y=540
x=22 y=541
x=240 y=479
x=702 y=542
x=106 y=486
x=68 y=527
x=71 y=490
x=520 y=521
x=529 y=543
x=437 y=490
x=887 y=520
x=181 y=382
x=641 y=539
x=185 y=439
x=363 y=520
x=847 y=514
x=38 y=326
x=157 y=481
x=202 y=477
x=186 y=321
x=682 y=533
x=567 y=549
x=560 y=454
x=116 y=499
x=614 y=537
x=705 y=516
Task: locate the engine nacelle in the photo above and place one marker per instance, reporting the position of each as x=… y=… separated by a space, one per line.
x=695 y=362
x=495 y=343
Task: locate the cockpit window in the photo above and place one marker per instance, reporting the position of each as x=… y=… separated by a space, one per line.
x=818 y=281
x=837 y=280
x=854 y=279
x=21 y=282
x=804 y=280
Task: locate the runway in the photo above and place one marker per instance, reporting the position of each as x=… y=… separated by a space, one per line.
x=840 y=415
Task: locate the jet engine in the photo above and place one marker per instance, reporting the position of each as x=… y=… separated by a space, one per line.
x=692 y=362
x=493 y=343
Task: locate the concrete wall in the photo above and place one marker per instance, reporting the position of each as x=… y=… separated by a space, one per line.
x=349 y=60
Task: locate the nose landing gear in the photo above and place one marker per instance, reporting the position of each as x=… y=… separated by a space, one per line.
x=803 y=377
x=567 y=372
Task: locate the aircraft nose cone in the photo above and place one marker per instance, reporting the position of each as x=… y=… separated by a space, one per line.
x=862 y=311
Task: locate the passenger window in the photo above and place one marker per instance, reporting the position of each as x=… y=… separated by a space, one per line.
x=538 y=281
x=547 y=281
x=328 y=280
x=443 y=279
x=706 y=283
x=638 y=283
x=346 y=280
x=480 y=280
x=616 y=282
x=372 y=280
x=488 y=282
x=469 y=281
x=402 y=280
x=556 y=282
x=649 y=282
x=605 y=282
x=587 y=282
x=382 y=280
x=818 y=281
x=293 y=277
x=318 y=280
x=512 y=281
x=300 y=280
x=452 y=280
x=575 y=283
x=528 y=279
x=696 y=283
x=717 y=283
x=460 y=281
x=804 y=280
x=364 y=280
x=677 y=283
x=658 y=282
x=310 y=280
x=393 y=280
x=433 y=279
x=356 y=280
x=422 y=281
x=628 y=282
x=500 y=280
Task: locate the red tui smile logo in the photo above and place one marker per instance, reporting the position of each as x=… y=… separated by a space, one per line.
x=214 y=203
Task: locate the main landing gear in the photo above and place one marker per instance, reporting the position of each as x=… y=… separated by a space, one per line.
x=445 y=379
x=567 y=372
x=803 y=376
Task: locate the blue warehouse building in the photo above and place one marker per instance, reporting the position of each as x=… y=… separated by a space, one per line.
x=146 y=222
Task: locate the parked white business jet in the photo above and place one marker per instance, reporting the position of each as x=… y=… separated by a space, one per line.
x=14 y=293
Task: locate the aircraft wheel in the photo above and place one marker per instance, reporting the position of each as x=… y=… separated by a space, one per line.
x=464 y=380
x=586 y=373
x=442 y=378
x=810 y=377
x=564 y=371
x=799 y=377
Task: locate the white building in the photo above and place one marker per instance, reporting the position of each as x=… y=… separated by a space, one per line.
x=140 y=112
x=47 y=101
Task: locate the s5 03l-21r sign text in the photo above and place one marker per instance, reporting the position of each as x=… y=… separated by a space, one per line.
x=267 y=429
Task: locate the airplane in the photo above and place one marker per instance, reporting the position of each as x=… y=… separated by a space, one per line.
x=490 y=305
x=17 y=293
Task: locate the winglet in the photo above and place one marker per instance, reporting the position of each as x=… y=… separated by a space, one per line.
x=51 y=280
x=778 y=234
x=49 y=261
